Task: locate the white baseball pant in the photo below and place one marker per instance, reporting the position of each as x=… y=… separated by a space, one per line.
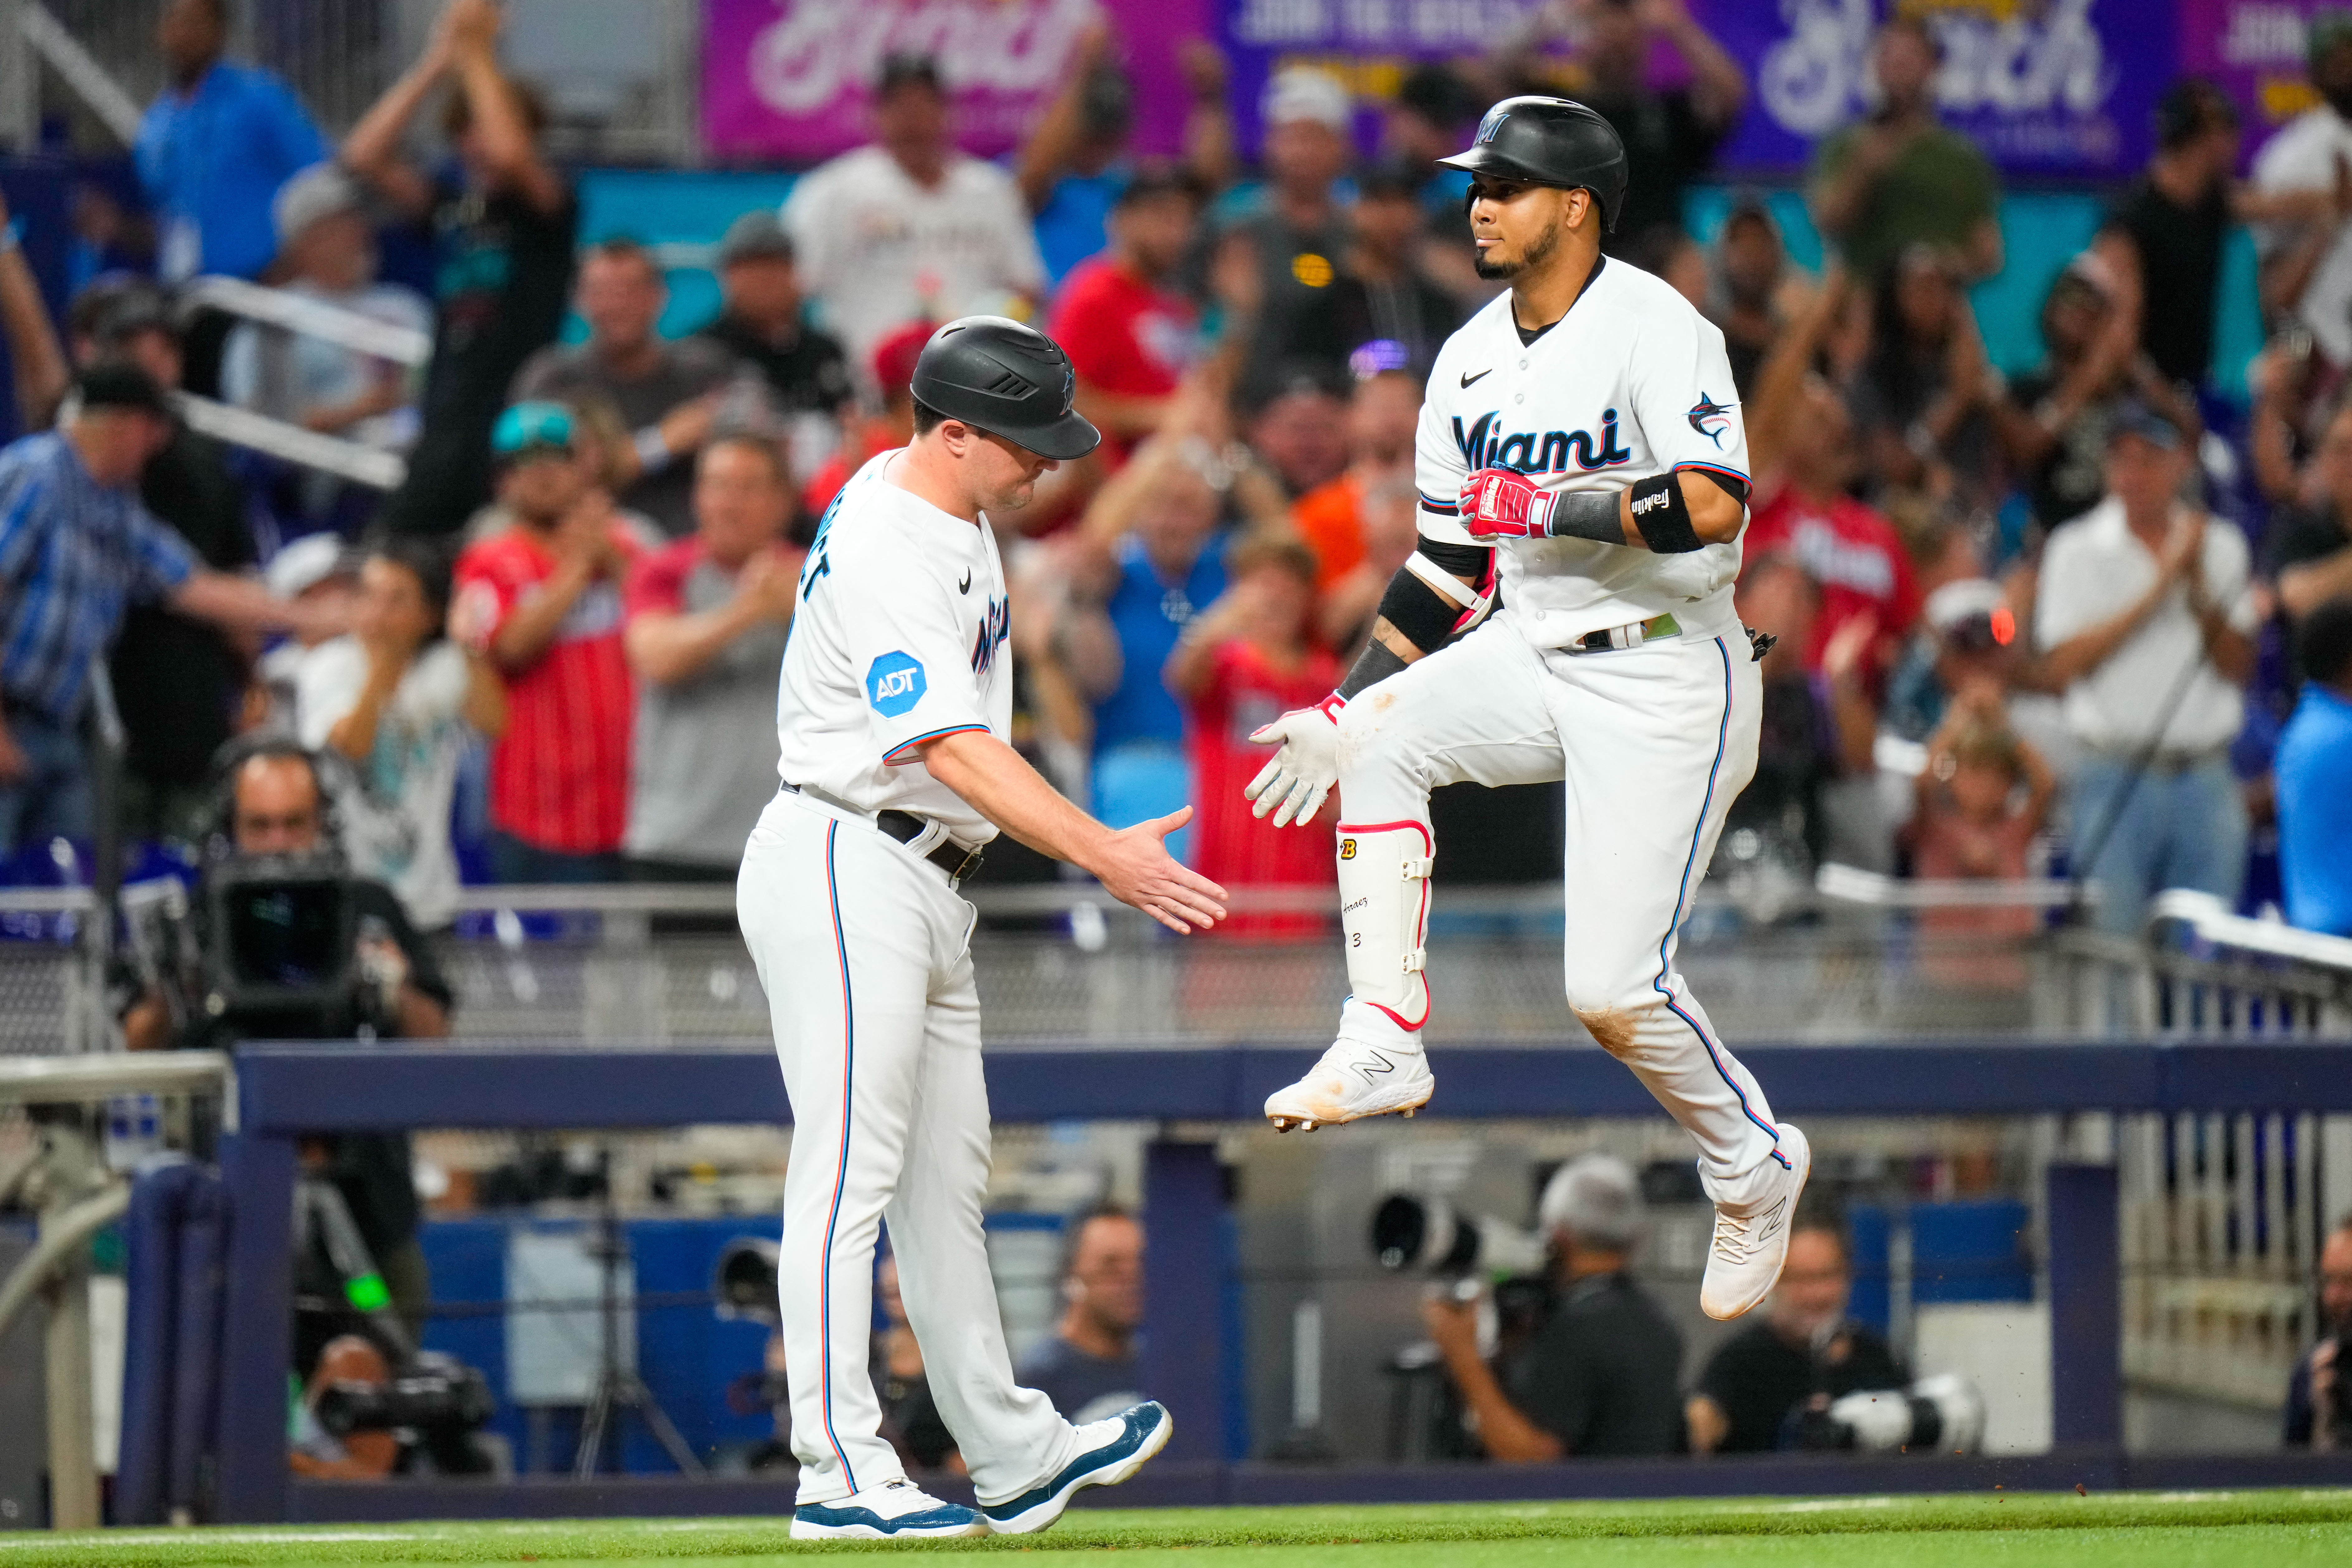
x=865 y=952
x=1653 y=744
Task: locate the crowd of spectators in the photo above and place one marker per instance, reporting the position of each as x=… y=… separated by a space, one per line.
x=2084 y=605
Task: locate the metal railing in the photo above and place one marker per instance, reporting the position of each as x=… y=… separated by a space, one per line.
x=281 y=310
x=64 y=1174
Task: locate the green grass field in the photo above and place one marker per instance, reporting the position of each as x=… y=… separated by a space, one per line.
x=2124 y=1529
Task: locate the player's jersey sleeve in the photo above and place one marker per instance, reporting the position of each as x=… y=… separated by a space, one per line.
x=1684 y=397
x=1439 y=468
x=906 y=650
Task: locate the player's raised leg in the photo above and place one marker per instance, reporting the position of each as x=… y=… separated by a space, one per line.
x=1473 y=711
x=1665 y=738
x=846 y=971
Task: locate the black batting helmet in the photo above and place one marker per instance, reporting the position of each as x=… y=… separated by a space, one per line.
x=1550 y=142
x=1006 y=379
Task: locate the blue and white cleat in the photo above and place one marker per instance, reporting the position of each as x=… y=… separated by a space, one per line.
x=895 y=1510
x=1115 y=1449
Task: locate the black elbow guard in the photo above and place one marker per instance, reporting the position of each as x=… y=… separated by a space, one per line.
x=1664 y=516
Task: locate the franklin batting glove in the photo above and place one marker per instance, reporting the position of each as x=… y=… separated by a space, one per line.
x=1502 y=503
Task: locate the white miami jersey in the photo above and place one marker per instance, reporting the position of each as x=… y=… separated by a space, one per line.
x=898 y=638
x=1632 y=382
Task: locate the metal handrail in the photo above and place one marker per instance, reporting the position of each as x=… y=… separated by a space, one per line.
x=312 y=318
x=100 y=1075
x=280 y=438
x=1837 y=883
x=2210 y=921
x=1853 y=885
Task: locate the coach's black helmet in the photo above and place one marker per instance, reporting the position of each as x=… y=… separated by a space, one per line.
x=1009 y=380
x=1550 y=142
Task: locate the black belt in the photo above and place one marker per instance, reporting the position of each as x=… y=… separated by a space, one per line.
x=948 y=855
x=905 y=827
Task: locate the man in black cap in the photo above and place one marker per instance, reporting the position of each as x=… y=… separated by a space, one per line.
x=76 y=548
x=897 y=699
x=179 y=682
x=1382 y=312
x=758 y=319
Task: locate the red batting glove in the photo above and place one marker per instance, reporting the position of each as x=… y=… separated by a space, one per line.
x=1503 y=503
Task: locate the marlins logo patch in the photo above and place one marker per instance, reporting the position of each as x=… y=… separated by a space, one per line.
x=1492 y=123
x=1710 y=418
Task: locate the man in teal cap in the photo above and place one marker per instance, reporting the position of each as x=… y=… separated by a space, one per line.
x=542 y=602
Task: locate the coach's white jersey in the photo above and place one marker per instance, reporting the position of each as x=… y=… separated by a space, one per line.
x=899 y=637
x=1632 y=382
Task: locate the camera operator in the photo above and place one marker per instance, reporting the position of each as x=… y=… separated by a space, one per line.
x=1804 y=1354
x=275 y=815
x=1600 y=1374
x=2319 y=1393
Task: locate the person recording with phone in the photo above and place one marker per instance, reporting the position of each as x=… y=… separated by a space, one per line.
x=289 y=945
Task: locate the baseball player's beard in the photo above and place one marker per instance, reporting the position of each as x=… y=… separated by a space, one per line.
x=1540 y=250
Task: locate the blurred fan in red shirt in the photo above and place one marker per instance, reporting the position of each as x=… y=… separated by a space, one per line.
x=542 y=600
x=868 y=433
x=1246 y=660
x=1129 y=337
x=1848 y=548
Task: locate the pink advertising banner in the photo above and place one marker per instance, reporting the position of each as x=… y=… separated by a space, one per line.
x=787 y=80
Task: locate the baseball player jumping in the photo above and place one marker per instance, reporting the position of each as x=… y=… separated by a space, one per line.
x=896 y=696
x=1582 y=443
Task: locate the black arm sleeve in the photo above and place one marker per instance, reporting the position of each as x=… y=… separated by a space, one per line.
x=1374 y=665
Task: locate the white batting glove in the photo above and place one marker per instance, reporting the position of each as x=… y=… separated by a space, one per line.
x=1293 y=786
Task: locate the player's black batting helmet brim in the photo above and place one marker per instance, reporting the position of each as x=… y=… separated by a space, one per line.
x=1009 y=380
x=1550 y=142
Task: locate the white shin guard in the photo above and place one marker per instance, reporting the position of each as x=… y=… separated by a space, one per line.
x=1384 y=909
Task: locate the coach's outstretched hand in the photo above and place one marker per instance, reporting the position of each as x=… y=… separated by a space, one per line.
x=1135 y=867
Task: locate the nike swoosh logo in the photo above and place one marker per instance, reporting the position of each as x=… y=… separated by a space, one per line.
x=1482 y=375
x=965 y=586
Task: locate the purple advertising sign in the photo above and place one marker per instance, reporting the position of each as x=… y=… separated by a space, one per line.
x=787 y=80
x=2066 y=87
x=2254 y=48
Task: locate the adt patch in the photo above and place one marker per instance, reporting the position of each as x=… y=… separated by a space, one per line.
x=895 y=683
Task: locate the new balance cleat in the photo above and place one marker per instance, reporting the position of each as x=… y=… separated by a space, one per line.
x=895 y=1510
x=1114 y=1450
x=1751 y=1239
x=1354 y=1080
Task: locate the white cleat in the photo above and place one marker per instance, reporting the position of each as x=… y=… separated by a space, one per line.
x=1353 y=1080
x=1751 y=1239
x=895 y=1510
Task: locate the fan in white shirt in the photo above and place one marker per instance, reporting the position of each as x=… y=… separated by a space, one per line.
x=908 y=228
x=397 y=703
